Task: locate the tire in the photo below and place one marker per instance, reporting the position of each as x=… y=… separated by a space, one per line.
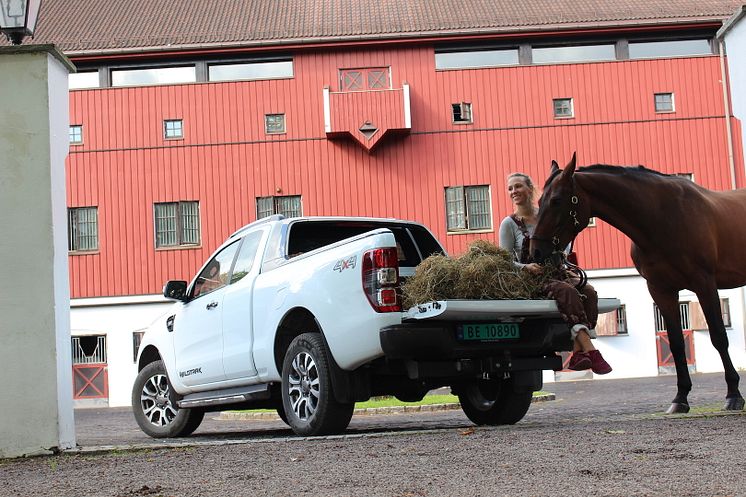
x=494 y=402
x=154 y=405
x=307 y=395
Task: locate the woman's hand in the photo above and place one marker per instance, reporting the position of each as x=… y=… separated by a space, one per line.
x=533 y=268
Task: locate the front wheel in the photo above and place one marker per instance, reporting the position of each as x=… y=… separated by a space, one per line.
x=307 y=395
x=494 y=402
x=154 y=406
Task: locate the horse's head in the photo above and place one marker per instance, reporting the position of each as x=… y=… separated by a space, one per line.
x=563 y=213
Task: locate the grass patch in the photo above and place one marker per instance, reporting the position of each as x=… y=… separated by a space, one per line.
x=387 y=401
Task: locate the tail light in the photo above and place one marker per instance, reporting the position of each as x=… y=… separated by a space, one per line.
x=381 y=279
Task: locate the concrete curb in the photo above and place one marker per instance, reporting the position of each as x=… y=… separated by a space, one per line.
x=239 y=416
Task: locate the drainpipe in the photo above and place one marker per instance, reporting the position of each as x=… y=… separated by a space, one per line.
x=726 y=103
x=731 y=160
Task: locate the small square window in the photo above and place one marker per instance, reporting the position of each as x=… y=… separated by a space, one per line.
x=274 y=124
x=664 y=102
x=462 y=113
x=76 y=134
x=173 y=129
x=689 y=176
x=563 y=108
x=591 y=222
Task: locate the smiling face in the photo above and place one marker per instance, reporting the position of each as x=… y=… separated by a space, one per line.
x=520 y=189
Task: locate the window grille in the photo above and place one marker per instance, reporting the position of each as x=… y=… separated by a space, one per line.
x=725 y=310
x=287 y=205
x=660 y=324
x=274 y=123
x=468 y=208
x=563 y=107
x=136 y=341
x=82 y=229
x=368 y=78
x=89 y=349
x=173 y=129
x=621 y=320
x=663 y=102
x=176 y=224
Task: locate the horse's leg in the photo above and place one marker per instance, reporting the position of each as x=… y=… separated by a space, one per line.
x=710 y=302
x=668 y=304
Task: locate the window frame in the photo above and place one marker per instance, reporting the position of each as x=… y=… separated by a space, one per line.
x=464 y=211
x=276 y=201
x=464 y=109
x=662 y=94
x=267 y=126
x=364 y=73
x=166 y=123
x=73 y=133
x=571 y=101
x=73 y=242
x=179 y=227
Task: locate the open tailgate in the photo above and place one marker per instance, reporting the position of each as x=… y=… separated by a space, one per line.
x=456 y=310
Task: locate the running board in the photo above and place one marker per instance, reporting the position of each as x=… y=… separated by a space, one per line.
x=226 y=396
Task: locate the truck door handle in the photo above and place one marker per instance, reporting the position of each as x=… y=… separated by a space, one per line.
x=212 y=305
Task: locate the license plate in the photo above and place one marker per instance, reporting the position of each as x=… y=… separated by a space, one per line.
x=488 y=331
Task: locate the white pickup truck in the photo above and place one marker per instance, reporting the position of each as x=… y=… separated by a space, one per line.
x=303 y=315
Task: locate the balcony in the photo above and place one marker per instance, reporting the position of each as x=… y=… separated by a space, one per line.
x=369 y=116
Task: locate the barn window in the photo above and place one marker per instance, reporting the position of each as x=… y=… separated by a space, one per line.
x=251 y=70
x=153 y=76
x=674 y=48
x=367 y=78
x=563 y=107
x=82 y=229
x=176 y=224
x=288 y=206
x=461 y=113
x=468 y=208
x=173 y=129
x=470 y=59
x=725 y=311
x=578 y=53
x=136 y=341
x=613 y=323
x=76 y=134
x=663 y=102
x=274 y=124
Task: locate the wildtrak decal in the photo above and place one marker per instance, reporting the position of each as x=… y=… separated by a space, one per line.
x=190 y=372
x=345 y=264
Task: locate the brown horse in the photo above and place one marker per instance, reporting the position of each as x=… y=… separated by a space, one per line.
x=683 y=237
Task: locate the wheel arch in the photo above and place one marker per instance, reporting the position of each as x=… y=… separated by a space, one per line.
x=148 y=355
x=295 y=322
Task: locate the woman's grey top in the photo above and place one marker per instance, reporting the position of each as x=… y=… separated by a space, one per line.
x=511 y=238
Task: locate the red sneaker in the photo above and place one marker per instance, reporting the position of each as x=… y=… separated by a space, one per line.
x=598 y=364
x=579 y=361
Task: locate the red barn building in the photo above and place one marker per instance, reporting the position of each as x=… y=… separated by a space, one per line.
x=190 y=119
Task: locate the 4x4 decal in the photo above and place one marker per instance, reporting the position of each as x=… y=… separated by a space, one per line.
x=345 y=264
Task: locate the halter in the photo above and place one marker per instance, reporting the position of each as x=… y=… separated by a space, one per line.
x=559 y=253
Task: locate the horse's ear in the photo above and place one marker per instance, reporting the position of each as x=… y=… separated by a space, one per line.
x=570 y=168
x=555 y=168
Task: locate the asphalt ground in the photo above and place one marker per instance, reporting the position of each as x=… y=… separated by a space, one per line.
x=599 y=437
x=101 y=429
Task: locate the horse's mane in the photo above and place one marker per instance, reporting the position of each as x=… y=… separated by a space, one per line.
x=640 y=171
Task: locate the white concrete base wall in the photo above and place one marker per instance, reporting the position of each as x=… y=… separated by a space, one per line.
x=631 y=355
x=117 y=322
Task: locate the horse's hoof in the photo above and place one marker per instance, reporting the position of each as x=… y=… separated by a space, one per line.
x=678 y=408
x=734 y=404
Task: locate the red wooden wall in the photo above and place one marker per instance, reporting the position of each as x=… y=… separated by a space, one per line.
x=226 y=160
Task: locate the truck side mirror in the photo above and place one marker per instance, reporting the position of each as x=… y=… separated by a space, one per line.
x=175 y=290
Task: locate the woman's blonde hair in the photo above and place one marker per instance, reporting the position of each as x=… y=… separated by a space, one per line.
x=526 y=179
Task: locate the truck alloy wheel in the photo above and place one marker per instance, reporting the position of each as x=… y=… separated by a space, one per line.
x=155 y=409
x=307 y=392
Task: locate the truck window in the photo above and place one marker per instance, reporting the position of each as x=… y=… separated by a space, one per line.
x=246 y=256
x=215 y=273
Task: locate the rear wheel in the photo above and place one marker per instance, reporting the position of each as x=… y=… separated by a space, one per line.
x=307 y=395
x=494 y=402
x=154 y=405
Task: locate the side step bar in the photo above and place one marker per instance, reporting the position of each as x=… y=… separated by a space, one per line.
x=226 y=396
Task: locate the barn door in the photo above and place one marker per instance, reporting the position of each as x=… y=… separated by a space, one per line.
x=665 y=358
x=90 y=369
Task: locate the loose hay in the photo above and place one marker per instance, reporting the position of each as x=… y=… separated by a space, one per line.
x=484 y=272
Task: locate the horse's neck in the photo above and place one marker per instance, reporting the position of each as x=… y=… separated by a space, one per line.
x=629 y=204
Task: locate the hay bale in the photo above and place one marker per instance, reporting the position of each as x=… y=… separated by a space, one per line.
x=484 y=272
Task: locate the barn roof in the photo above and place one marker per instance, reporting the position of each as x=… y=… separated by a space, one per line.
x=101 y=26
